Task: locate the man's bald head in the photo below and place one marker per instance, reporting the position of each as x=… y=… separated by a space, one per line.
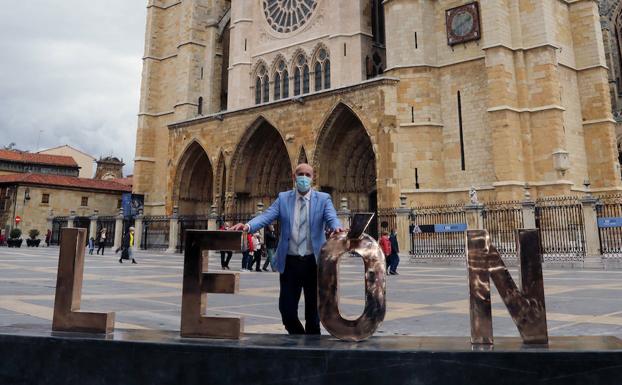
x=303 y=169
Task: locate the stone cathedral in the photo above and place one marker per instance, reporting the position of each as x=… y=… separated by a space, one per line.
x=414 y=99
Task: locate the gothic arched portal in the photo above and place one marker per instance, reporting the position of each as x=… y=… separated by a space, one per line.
x=345 y=163
x=194 y=182
x=261 y=168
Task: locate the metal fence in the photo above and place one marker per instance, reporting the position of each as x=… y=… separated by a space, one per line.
x=83 y=223
x=610 y=206
x=155 y=232
x=440 y=246
x=189 y=223
x=502 y=219
x=108 y=223
x=562 y=231
x=57 y=224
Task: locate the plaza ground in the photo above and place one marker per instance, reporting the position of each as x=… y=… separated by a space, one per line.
x=422 y=300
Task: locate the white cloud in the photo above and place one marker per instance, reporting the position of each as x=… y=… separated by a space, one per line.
x=72 y=69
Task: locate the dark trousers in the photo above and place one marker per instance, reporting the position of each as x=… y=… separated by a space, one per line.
x=300 y=274
x=394 y=260
x=101 y=247
x=224 y=261
x=255 y=260
x=245 y=259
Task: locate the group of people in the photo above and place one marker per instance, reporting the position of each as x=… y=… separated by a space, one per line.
x=100 y=241
x=256 y=247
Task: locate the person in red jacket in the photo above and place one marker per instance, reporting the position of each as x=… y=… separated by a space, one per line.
x=247 y=254
x=385 y=245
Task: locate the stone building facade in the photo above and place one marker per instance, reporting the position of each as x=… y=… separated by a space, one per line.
x=387 y=99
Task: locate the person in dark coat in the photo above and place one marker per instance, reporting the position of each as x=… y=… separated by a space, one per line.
x=395 y=250
x=271 y=245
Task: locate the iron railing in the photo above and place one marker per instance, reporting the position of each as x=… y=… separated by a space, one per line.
x=57 y=224
x=109 y=223
x=442 y=246
x=562 y=231
x=502 y=219
x=155 y=233
x=189 y=222
x=610 y=206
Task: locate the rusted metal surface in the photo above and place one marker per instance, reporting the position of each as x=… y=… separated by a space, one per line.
x=337 y=247
x=66 y=317
x=525 y=305
x=197 y=284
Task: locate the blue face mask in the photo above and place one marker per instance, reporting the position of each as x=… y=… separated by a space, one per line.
x=303 y=184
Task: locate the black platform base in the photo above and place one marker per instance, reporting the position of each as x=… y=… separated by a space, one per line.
x=35 y=356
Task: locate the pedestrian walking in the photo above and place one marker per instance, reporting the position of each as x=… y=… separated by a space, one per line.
x=271 y=243
x=247 y=253
x=303 y=214
x=48 y=237
x=257 y=246
x=127 y=247
x=101 y=241
x=395 y=253
x=91 y=245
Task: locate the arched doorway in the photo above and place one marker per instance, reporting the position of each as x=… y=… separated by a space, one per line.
x=261 y=168
x=194 y=182
x=345 y=163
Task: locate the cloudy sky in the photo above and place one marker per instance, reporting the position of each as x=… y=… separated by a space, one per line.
x=70 y=74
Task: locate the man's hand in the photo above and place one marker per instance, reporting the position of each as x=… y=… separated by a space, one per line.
x=240 y=227
x=338 y=230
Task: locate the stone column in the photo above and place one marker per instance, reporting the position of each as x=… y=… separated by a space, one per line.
x=173 y=234
x=212 y=219
x=71 y=218
x=138 y=230
x=260 y=207
x=593 y=257
x=93 y=224
x=403 y=223
x=118 y=230
x=474 y=215
x=344 y=213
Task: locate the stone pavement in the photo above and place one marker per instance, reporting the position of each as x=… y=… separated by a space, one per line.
x=422 y=300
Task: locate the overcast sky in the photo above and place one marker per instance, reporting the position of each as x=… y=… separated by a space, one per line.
x=70 y=73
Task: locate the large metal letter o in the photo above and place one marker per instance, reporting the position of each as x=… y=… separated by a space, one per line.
x=337 y=247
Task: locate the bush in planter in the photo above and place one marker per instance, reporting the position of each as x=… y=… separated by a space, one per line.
x=33 y=241
x=15 y=238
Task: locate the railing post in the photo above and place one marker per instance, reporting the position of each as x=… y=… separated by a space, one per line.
x=475 y=216
x=529 y=213
x=118 y=230
x=344 y=213
x=138 y=230
x=173 y=234
x=93 y=224
x=403 y=224
x=593 y=257
x=71 y=218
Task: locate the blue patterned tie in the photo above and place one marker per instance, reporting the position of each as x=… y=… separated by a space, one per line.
x=302 y=228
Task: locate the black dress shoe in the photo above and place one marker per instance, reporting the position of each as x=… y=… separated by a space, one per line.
x=134 y=262
x=120 y=260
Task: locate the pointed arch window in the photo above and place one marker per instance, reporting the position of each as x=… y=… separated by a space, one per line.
x=262 y=86
x=301 y=76
x=281 y=81
x=200 y=106
x=322 y=70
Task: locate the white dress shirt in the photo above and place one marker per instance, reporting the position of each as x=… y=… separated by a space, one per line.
x=295 y=234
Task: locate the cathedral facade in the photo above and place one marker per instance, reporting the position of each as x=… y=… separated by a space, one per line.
x=416 y=100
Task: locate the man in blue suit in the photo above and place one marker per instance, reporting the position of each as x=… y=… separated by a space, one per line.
x=304 y=214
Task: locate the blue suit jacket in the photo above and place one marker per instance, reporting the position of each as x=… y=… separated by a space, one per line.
x=322 y=214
